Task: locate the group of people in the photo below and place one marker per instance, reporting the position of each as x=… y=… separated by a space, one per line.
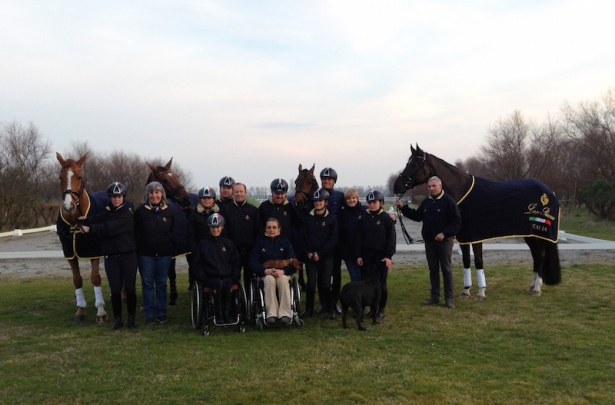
x=226 y=235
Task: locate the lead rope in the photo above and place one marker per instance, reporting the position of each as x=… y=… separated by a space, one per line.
x=407 y=236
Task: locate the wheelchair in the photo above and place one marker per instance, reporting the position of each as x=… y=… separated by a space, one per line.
x=202 y=308
x=258 y=312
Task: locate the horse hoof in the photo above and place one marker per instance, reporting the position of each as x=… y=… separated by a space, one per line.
x=465 y=294
x=101 y=319
x=480 y=298
x=530 y=288
x=536 y=293
x=79 y=318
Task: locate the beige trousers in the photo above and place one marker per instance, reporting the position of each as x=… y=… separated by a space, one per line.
x=282 y=286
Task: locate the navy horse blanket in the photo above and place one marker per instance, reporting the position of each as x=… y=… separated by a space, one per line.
x=518 y=208
x=82 y=245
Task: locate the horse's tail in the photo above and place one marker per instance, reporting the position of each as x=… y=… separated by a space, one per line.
x=551 y=271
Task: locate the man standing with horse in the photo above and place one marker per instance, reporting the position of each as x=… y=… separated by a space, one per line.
x=441 y=222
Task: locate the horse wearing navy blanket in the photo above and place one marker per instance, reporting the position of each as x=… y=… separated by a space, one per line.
x=76 y=202
x=490 y=210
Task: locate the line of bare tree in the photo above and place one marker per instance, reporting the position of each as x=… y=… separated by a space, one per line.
x=574 y=154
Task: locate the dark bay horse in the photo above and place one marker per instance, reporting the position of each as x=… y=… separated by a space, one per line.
x=179 y=198
x=490 y=210
x=305 y=185
x=76 y=202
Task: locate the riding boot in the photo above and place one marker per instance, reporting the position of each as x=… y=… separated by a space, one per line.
x=118 y=322
x=131 y=322
x=131 y=303
x=309 y=303
x=116 y=304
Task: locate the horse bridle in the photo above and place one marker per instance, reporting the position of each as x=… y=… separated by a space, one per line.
x=303 y=193
x=173 y=192
x=408 y=180
x=75 y=195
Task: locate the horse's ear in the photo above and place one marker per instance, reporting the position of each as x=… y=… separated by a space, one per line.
x=82 y=159
x=300 y=167
x=412 y=149
x=419 y=151
x=168 y=165
x=152 y=167
x=60 y=158
x=312 y=169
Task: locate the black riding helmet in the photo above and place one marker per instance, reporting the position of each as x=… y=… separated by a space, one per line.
x=227 y=181
x=207 y=192
x=320 y=195
x=116 y=188
x=279 y=186
x=328 y=172
x=375 y=195
x=215 y=220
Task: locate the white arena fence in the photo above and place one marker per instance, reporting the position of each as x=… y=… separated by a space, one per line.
x=21 y=232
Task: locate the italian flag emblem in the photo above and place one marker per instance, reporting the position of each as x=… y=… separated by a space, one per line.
x=541 y=220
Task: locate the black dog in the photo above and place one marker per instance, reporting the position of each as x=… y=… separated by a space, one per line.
x=359 y=294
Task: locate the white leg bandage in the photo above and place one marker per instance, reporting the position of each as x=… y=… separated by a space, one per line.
x=80 y=298
x=480 y=278
x=99 y=297
x=467 y=278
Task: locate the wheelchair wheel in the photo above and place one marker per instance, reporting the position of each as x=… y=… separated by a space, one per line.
x=296 y=297
x=196 y=305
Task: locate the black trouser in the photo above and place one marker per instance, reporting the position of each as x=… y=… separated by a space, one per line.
x=336 y=285
x=122 y=272
x=320 y=272
x=244 y=255
x=374 y=258
x=439 y=256
x=222 y=292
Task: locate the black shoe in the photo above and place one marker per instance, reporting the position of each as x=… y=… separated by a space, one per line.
x=271 y=320
x=432 y=301
x=150 y=321
x=131 y=321
x=367 y=315
x=117 y=324
x=285 y=320
x=321 y=310
x=338 y=309
x=332 y=314
x=380 y=315
x=307 y=313
x=162 y=319
x=449 y=303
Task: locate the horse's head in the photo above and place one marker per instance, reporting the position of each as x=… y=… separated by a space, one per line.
x=170 y=181
x=414 y=173
x=305 y=185
x=71 y=183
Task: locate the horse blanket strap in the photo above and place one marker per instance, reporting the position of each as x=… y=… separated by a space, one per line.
x=82 y=245
x=516 y=208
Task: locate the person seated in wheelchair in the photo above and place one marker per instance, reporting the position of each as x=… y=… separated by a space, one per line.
x=276 y=284
x=218 y=267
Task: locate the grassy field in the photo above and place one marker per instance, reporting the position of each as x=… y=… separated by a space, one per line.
x=510 y=349
x=580 y=222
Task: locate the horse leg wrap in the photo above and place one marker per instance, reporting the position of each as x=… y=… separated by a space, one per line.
x=467 y=278
x=480 y=278
x=80 y=298
x=99 y=297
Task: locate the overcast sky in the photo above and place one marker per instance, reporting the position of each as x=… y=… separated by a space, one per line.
x=251 y=89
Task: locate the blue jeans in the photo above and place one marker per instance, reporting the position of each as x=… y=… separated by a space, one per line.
x=154 y=272
x=354 y=270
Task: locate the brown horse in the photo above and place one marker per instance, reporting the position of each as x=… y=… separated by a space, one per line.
x=76 y=202
x=305 y=185
x=490 y=210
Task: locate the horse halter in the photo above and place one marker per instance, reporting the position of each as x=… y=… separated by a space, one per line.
x=409 y=179
x=171 y=193
x=306 y=197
